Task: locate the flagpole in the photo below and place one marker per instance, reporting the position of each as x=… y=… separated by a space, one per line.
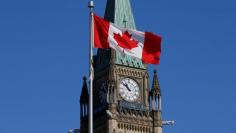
x=91 y=72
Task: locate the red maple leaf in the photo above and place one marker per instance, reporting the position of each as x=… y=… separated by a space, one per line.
x=125 y=41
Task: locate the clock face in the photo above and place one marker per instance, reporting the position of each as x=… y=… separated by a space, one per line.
x=129 y=89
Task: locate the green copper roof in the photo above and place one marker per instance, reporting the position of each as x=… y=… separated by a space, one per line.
x=120 y=13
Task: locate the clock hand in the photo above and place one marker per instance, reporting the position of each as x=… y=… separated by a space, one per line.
x=126 y=85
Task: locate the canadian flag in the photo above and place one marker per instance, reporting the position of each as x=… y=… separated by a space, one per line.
x=143 y=45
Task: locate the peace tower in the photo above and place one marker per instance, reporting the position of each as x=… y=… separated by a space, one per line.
x=123 y=100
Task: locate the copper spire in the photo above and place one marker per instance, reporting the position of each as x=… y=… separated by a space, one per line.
x=156 y=90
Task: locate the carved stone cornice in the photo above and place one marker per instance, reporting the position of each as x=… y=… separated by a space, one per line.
x=130 y=71
x=134 y=116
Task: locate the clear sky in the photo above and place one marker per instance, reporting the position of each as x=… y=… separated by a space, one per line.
x=44 y=55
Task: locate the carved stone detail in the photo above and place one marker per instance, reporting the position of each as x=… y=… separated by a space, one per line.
x=130 y=72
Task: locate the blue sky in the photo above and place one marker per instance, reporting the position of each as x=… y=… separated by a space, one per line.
x=43 y=57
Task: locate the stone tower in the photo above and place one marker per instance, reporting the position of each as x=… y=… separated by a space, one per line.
x=123 y=100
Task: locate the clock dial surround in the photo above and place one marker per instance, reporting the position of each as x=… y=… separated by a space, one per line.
x=129 y=89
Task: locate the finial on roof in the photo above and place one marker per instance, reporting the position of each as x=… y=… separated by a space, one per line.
x=155 y=71
x=84 y=78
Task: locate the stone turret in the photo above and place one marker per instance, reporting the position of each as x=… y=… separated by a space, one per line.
x=84 y=98
x=155 y=96
x=155 y=93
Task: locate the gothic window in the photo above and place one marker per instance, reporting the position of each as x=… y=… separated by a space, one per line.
x=119 y=125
